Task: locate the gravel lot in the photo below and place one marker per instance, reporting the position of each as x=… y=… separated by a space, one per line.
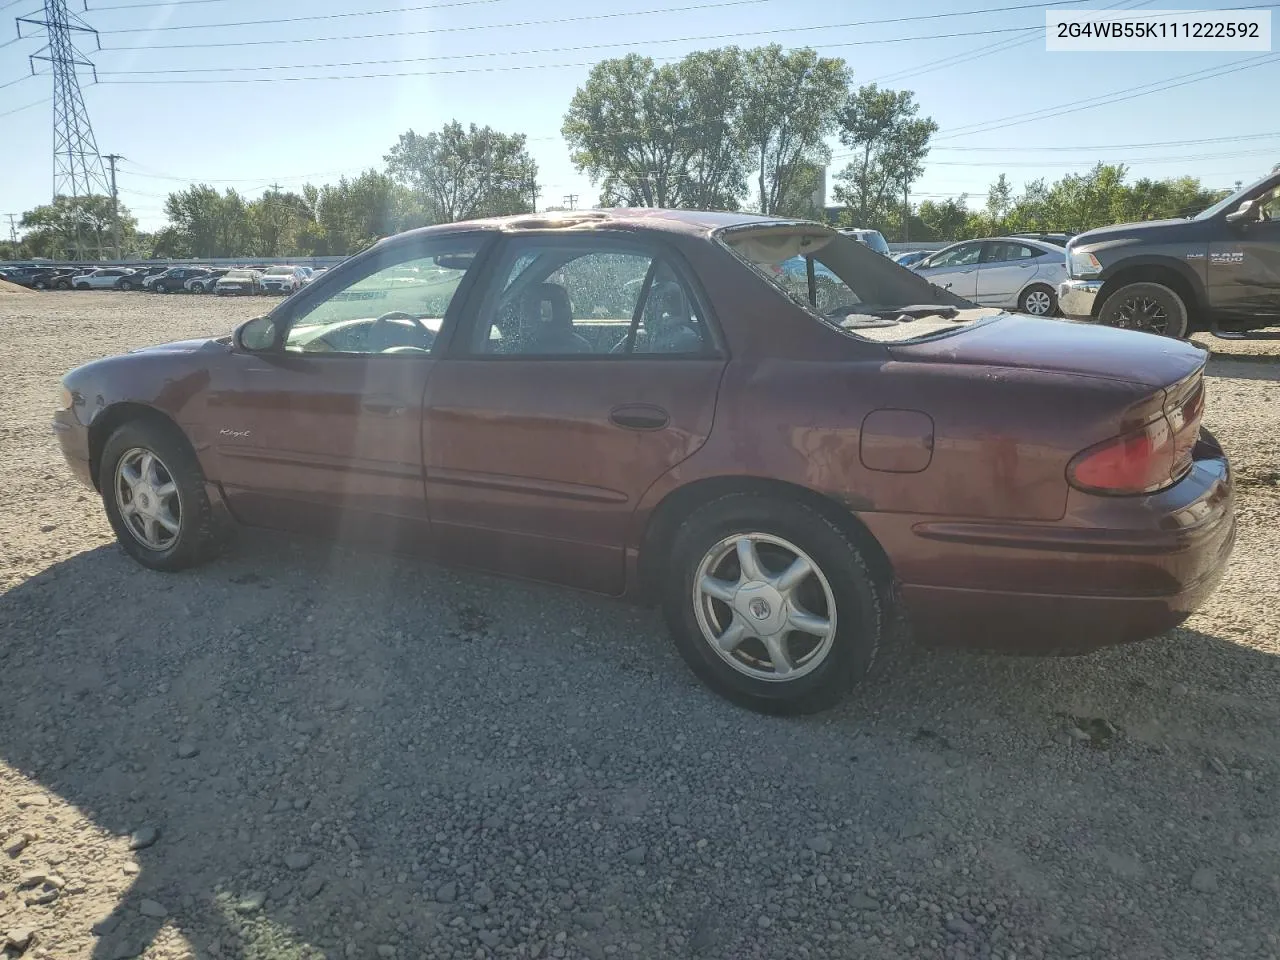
x=301 y=751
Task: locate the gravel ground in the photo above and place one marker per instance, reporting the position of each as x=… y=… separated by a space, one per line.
x=301 y=751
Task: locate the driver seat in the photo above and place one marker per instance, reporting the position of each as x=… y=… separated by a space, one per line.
x=669 y=321
x=554 y=333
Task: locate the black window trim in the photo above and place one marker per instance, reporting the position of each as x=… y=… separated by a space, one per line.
x=484 y=287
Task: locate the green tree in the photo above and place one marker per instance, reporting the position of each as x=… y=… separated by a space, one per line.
x=211 y=224
x=1000 y=199
x=793 y=102
x=275 y=220
x=889 y=143
x=462 y=173
x=75 y=228
x=667 y=136
x=351 y=214
x=944 y=220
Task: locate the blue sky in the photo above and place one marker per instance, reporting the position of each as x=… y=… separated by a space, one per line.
x=250 y=134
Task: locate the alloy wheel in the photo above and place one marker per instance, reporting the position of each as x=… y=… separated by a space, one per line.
x=1038 y=303
x=1142 y=313
x=148 y=499
x=765 y=607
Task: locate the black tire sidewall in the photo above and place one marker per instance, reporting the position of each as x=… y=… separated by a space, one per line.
x=858 y=603
x=1053 y=300
x=1178 y=316
x=198 y=535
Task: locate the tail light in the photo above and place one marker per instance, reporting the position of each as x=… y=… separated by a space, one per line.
x=1154 y=456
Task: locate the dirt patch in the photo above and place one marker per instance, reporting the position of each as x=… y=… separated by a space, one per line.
x=8 y=289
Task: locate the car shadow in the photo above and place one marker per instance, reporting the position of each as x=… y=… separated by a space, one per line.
x=341 y=754
x=1244 y=366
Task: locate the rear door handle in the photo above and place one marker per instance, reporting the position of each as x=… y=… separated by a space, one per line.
x=639 y=416
x=384 y=406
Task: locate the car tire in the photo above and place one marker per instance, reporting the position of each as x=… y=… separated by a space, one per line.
x=199 y=536
x=838 y=589
x=1148 y=307
x=40 y=285
x=1038 y=300
x=62 y=284
x=124 y=285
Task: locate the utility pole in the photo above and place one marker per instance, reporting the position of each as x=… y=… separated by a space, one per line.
x=533 y=190
x=112 y=158
x=13 y=228
x=571 y=201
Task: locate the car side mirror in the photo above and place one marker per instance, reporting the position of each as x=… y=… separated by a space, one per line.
x=1244 y=213
x=256 y=335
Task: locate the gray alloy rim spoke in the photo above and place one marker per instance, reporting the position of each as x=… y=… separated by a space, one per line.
x=764 y=607
x=148 y=499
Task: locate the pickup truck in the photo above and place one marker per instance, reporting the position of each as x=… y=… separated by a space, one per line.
x=1217 y=272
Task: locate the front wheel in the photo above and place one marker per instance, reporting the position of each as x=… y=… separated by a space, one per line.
x=124 y=285
x=771 y=605
x=1038 y=301
x=153 y=491
x=1148 y=307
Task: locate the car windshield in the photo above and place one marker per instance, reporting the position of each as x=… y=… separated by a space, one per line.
x=852 y=288
x=279 y=271
x=1232 y=201
x=239 y=274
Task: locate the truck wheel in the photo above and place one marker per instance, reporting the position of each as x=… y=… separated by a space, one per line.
x=1145 y=306
x=1038 y=300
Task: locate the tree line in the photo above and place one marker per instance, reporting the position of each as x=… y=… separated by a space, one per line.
x=724 y=129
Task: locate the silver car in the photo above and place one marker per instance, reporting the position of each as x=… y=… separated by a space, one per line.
x=108 y=278
x=1011 y=272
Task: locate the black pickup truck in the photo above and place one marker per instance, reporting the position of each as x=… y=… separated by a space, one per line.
x=1218 y=271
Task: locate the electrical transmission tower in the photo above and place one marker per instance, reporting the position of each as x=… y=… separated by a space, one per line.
x=77 y=166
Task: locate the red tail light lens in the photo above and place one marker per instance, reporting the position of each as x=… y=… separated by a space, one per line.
x=1137 y=462
x=1150 y=458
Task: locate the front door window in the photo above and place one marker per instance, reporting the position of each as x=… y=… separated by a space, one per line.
x=397 y=306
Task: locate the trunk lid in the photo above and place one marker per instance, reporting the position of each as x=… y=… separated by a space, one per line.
x=1060 y=346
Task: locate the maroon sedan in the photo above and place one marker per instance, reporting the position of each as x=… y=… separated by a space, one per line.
x=768 y=426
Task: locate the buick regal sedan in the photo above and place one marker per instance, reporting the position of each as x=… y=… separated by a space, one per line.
x=641 y=403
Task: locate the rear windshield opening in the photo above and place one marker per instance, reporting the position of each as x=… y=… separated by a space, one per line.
x=848 y=285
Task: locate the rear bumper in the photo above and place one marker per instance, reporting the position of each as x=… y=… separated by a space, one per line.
x=1114 y=570
x=1077 y=298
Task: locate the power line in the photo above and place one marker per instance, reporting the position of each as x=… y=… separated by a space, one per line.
x=316 y=16
x=9 y=113
x=405 y=33
x=1119 y=146
x=573 y=49
x=1117 y=96
x=555 y=21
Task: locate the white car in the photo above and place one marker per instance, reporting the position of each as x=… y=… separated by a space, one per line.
x=315 y=274
x=284 y=279
x=870 y=238
x=1015 y=273
x=108 y=278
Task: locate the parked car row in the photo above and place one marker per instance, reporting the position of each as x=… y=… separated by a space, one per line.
x=283 y=279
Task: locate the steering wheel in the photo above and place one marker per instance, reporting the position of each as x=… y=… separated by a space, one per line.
x=382 y=321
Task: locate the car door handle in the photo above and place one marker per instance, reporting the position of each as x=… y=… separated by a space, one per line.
x=639 y=416
x=384 y=406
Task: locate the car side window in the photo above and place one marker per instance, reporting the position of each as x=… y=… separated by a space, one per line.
x=1269 y=206
x=397 y=305
x=1002 y=251
x=961 y=256
x=555 y=299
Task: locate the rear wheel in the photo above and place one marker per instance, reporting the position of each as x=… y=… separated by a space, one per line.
x=771 y=605
x=1038 y=300
x=62 y=284
x=153 y=491
x=1148 y=307
x=124 y=285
